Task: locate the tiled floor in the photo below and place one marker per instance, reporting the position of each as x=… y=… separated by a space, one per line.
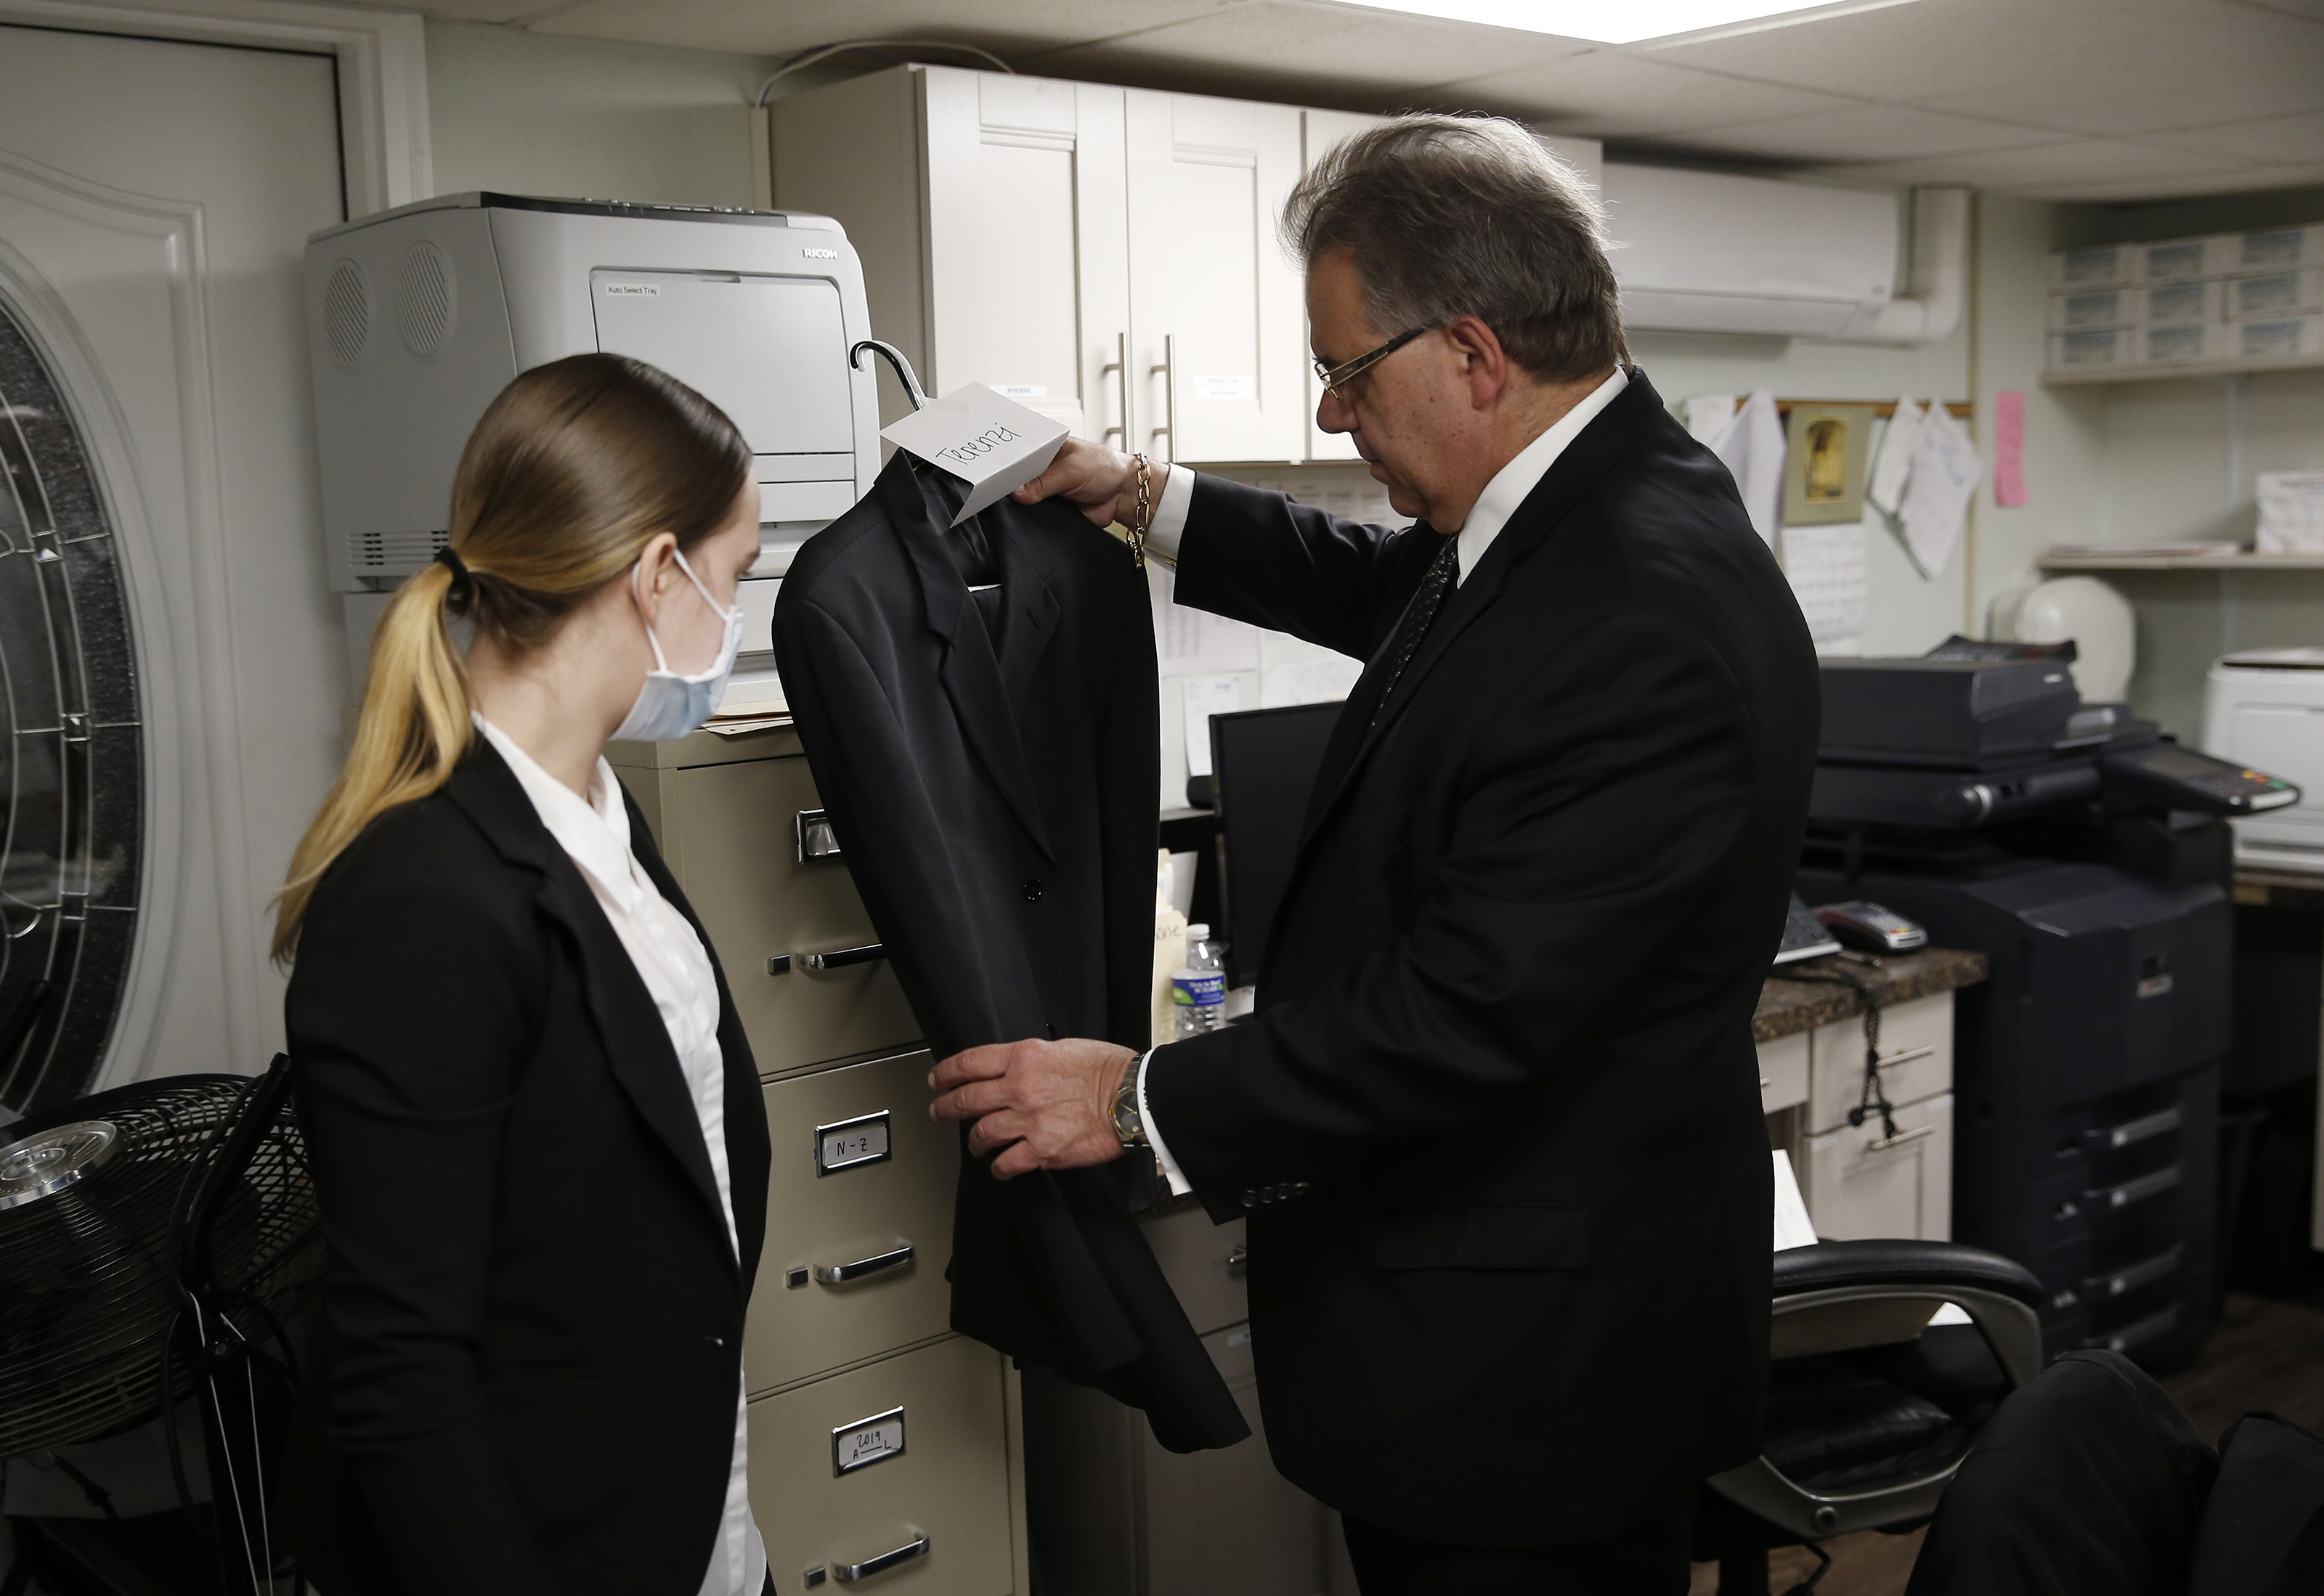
x=2265 y=1354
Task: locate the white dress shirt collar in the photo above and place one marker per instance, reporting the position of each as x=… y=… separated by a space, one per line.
x=1514 y=482
x=595 y=832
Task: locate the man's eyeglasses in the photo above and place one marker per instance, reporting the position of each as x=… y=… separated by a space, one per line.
x=1335 y=378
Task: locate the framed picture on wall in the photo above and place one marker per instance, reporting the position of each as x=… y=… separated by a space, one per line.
x=1823 y=464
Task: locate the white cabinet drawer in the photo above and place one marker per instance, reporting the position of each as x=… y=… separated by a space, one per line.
x=1862 y=1185
x=1916 y=1059
x=910 y=1450
x=1203 y=1264
x=1783 y=1072
x=850 y=1187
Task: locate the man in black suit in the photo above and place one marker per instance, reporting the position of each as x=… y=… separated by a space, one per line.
x=1496 y=1122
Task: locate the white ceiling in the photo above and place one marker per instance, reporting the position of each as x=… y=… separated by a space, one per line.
x=2064 y=99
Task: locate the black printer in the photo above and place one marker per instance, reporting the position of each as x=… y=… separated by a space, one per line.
x=2088 y=858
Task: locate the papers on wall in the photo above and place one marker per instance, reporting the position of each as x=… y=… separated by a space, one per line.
x=1293 y=672
x=1194 y=642
x=1826 y=568
x=1752 y=449
x=1793 y=1227
x=1894 y=463
x=1945 y=473
x=2009 y=449
x=1206 y=696
x=1707 y=417
x=2292 y=513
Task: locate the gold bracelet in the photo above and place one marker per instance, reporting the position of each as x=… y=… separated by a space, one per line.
x=1142 y=517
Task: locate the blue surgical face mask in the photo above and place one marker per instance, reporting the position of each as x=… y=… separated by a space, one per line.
x=669 y=704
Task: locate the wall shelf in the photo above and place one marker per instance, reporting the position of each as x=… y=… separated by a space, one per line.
x=2181 y=562
x=2193 y=368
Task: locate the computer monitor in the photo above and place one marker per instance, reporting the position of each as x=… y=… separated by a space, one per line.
x=1265 y=762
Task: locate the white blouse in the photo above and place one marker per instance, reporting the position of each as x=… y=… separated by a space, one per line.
x=669 y=959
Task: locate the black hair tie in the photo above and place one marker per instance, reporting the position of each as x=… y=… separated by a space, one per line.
x=463 y=591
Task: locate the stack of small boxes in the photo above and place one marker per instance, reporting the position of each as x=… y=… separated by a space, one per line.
x=2227 y=302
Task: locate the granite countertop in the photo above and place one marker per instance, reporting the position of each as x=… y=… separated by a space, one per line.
x=1789 y=1007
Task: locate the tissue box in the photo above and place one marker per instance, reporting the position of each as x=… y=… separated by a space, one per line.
x=2276 y=249
x=2178 y=301
x=2072 y=269
x=2093 y=349
x=2275 y=293
x=2174 y=343
x=2101 y=307
x=2292 y=513
x=2177 y=260
x=2287 y=337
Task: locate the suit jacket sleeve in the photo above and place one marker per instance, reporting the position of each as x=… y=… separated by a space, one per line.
x=1599 y=810
x=409 y=1014
x=1258 y=556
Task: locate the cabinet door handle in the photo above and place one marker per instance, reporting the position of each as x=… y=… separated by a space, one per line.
x=2136 y=1191
x=2133 y=1132
x=839 y=1274
x=840 y=958
x=1168 y=372
x=1881 y=1144
x=847 y=1574
x=1119 y=366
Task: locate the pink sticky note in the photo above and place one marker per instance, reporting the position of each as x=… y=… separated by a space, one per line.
x=2009 y=449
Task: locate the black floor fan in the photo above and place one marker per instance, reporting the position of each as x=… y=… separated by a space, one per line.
x=156 y=1240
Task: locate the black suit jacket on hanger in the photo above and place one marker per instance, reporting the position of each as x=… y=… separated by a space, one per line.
x=522 y=1377
x=997 y=808
x=1497 y=1119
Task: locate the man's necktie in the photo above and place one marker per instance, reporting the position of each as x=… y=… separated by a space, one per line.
x=1443 y=573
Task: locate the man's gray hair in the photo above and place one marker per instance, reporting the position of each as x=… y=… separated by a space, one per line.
x=1467 y=216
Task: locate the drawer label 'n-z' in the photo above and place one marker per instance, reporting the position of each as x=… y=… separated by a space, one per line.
x=845 y=1144
x=866 y=1442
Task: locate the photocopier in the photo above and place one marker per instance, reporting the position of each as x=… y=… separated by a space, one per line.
x=2088 y=858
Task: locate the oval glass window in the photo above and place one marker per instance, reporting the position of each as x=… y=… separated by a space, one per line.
x=71 y=748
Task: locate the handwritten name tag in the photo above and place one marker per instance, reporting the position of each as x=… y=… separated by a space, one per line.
x=993 y=444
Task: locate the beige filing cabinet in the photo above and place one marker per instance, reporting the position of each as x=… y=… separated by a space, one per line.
x=884 y=1449
x=1106 y=256
x=1119 y=1516
x=1860 y=1182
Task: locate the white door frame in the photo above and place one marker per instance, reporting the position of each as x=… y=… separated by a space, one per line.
x=383 y=60
x=188 y=671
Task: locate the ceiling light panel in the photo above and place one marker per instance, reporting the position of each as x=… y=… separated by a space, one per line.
x=1623 y=21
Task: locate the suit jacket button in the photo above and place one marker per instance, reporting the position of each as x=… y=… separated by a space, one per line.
x=1251 y=1199
x=1033 y=889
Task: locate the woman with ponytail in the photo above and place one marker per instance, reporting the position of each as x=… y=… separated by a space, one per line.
x=533 y=1120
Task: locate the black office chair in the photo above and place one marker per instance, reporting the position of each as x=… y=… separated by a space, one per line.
x=1870 y=1407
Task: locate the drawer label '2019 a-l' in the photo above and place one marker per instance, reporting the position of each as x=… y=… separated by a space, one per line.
x=867 y=1441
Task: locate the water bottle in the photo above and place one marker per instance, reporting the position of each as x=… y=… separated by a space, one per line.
x=1198 y=990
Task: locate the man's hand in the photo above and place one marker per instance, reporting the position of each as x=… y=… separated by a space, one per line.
x=1049 y=1104
x=1100 y=480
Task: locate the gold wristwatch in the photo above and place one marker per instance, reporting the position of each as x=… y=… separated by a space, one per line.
x=1128 y=1124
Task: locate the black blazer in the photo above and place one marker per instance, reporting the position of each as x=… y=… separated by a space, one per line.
x=997 y=810
x=526 y=1363
x=1497 y=1119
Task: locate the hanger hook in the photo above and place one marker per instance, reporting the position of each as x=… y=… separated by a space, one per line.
x=895 y=359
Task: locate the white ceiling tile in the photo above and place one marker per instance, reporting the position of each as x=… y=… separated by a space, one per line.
x=2073 y=161
x=2280 y=139
x=2127 y=84
x=2242 y=179
x=779 y=27
x=1610 y=95
x=1867 y=132
x=1285 y=51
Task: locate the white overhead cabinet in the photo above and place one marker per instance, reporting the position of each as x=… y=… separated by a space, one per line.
x=1218 y=320
x=1106 y=256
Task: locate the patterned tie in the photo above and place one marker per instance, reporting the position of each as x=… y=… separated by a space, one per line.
x=1444 y=572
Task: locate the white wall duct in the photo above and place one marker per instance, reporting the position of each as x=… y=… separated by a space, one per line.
x=1711 y=251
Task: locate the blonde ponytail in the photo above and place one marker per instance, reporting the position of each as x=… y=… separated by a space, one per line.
x=572 y=471
x=414 y=729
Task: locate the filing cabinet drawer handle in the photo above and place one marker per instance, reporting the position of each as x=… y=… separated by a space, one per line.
x=2136 y=1191
x=2161 y=1266
x=1881 y=1144
x=847 y=1574
x=839 y=1274
x=2131 y=1132
x=1912 y=1056
x=1239 y=1258
x=840 y=958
